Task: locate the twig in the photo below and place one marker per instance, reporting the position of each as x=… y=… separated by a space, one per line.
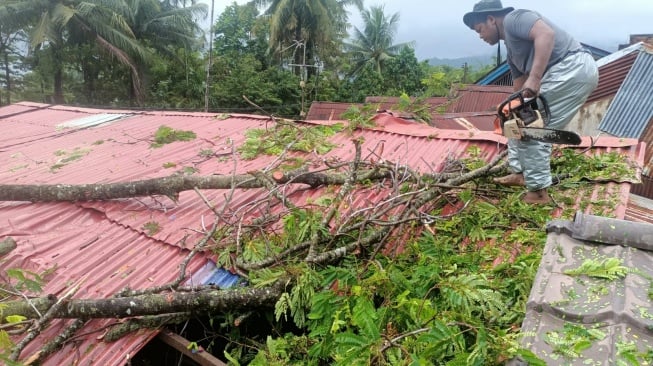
x=43 y=320
x=393 y=342
x=56 y=343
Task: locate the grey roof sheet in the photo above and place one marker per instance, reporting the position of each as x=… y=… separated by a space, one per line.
x=632 y=108
x=617 y=311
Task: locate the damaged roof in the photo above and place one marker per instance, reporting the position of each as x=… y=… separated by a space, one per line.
x=105 y=246
x=468 y=107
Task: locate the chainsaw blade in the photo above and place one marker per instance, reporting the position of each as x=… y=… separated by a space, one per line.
x=550 y=135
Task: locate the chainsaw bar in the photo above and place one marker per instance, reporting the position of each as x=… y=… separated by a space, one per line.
x=551 y=136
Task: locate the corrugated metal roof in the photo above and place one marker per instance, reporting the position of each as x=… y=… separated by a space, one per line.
x=633 y=102
x=92 y=120
x=388 y=102
x=495 y=74
x=611 y=75
x=640 y=209
x=500 y=75
x=82 y=244
x=327 y=111
x=477 y=98
x=617 y=311
x=108 y=242
x=483 y=121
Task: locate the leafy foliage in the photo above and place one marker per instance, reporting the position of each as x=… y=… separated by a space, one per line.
x=572 y=340
x=360 y=117
x=438 y=302
x=609 y=269
x=165 y=135
x=456 y=295
x=628 y=354
x=287 y=136
x=610 y=166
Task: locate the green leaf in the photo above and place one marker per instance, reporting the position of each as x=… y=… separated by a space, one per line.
x=15 y=318
x=530 y=358
x=231 y=359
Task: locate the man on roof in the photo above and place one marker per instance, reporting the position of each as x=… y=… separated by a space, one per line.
x=547 y=61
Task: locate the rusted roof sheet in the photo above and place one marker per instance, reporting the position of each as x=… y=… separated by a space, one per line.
x=500 y=75
x=477 y=98
x=481 y=121
x=327 y=111
x=633 y=102
x=640 y=209
x=613 y=314
x=107 y=245
x=388 y=102
x=613 y=70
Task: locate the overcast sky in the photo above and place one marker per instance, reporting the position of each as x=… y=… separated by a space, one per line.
x=436 y=27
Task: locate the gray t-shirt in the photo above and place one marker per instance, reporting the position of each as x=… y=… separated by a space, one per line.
x=517 y=24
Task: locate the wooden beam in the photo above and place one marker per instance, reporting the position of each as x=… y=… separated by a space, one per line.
x=180 y=343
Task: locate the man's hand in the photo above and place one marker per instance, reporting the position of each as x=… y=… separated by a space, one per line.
x=532 y=87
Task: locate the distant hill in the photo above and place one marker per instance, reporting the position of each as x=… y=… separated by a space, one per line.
x=475 y=62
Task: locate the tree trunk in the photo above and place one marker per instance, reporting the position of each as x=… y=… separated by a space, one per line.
x=195 y=302
x=58 y=85
x=167 y=186
x=8 y=77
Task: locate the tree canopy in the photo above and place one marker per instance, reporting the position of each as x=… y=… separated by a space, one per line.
x=289 y=53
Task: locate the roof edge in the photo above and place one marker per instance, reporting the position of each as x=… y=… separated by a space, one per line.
x=399 y=126
x=605 y=230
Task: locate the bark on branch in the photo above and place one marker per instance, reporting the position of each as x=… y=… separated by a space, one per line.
x=199 y=302
x=166 y=186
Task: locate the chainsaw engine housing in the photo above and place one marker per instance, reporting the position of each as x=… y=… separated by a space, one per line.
x=517 y=112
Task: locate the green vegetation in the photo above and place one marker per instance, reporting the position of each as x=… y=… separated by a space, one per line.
x=609 y=269
x=287 y=137
x=456 y=294
x=165 y=135
x=151 y=228
x=151 y=53
x=67 y=157
x=573 y=339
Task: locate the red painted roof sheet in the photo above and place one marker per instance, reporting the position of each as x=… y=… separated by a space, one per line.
x=106 y=245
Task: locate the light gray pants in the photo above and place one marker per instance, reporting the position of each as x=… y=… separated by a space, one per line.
x=565 y=86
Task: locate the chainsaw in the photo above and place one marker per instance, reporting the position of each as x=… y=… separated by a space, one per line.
x=526 y=119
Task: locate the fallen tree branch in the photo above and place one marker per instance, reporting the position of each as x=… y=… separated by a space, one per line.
x=56 y=343
x=199 y=302
x=51 y=312
x=166 y=186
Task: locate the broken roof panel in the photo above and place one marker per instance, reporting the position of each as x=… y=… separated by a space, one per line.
x=592 y=287
x=114 y=244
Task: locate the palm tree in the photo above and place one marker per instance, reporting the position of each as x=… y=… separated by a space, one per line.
x=54 y=22
x=310 y=28
x=374 y=45
x=11 y=36
x=162 y=26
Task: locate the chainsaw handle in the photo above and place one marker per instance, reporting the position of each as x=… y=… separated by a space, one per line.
x=547 y=112
x=519 y=95
x=514 y=96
